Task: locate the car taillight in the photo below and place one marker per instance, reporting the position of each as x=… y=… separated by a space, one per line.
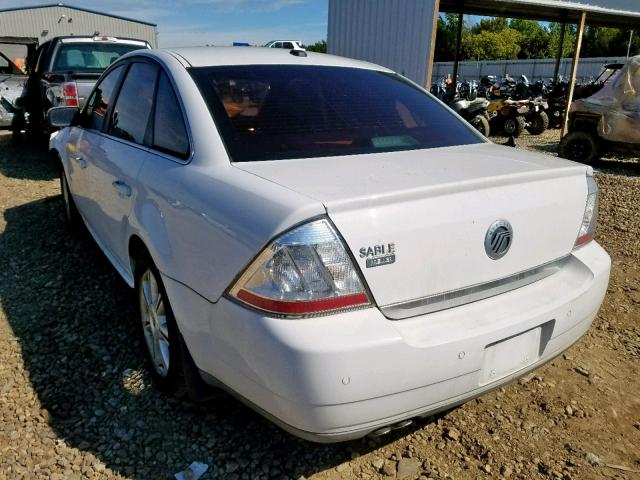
x=305 y=271
x=70 y=94
x=590 y=217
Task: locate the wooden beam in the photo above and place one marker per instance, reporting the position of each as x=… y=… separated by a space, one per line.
x=556 y=70
x=432 y=46
x=456 y=59
x=574 y=70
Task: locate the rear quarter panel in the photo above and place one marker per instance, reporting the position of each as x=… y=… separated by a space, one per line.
x=203 y=225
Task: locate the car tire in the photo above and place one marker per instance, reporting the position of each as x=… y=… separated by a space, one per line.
x=480 y=123
x=161 y=339
x=580 y=147
x=69 y=210
x=514 y=126
x=539 y=123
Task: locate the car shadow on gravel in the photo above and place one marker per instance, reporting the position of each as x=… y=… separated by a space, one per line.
x=73 y=317
x=25 y=160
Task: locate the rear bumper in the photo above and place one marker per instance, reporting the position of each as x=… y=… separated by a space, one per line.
x=343 y=376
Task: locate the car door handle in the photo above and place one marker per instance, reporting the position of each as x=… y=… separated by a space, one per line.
x=81 y=161
x=122 y=188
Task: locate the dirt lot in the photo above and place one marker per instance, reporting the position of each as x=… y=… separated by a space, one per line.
x=75 y=401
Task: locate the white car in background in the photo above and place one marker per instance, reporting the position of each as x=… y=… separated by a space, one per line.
x=286 y=44
x=323 y=238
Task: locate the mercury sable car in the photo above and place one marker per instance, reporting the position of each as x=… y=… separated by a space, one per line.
x=323 y=238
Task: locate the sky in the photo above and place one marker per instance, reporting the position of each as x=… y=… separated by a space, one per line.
x=215 y=22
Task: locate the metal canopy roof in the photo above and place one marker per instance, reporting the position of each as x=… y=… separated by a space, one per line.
x=609 y=13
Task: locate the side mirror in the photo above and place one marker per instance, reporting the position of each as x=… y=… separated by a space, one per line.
x=60 y=117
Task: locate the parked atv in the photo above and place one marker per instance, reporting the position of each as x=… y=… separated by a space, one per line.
x=608 y=120
x=474 y=112
x=507 y=117
x=536 y=117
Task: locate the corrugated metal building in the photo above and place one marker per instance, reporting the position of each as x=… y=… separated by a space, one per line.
x=40 y=23
x=393 y=33
x=399 y=34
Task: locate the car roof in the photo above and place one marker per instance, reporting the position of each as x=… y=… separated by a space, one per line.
x=221 y=56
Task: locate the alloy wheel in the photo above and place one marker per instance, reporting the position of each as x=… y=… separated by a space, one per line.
x=154 y=322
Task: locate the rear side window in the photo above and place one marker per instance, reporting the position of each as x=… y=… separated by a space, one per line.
x=100 y=99
x=270 y=112
x=131 y=115
x=169 y=132
x=92 y=57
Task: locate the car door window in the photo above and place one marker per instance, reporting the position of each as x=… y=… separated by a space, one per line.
x=100 y=99
x=287 y=45
x=277 y=45
x=130 y=118
x=169 y=131
x=40 y=57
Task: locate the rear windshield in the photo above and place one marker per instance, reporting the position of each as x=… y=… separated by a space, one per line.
x=89 y=57
x=270 y=112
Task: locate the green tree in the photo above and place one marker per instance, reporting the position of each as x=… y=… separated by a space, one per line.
x=488 y=45
x=320 y=46
x=493 y=24
x=599 y=41
x=534 y=38
x=446 y=37
x=608 y=42
x=554 y=40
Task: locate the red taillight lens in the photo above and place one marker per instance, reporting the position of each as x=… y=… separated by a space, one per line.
x=303 y=307
x=590 y=217
x=70 y=94
x=304 y=272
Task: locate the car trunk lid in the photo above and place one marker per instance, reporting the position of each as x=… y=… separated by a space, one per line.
x=416 y=221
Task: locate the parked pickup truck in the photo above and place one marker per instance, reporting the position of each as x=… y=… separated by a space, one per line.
x=64 y=70
x=12 y=83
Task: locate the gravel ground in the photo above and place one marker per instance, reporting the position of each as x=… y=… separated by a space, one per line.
x=75 y=401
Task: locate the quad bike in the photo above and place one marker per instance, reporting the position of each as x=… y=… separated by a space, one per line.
x=507 y=117
x=537 y=118
x=609 y=120
x=474 y=112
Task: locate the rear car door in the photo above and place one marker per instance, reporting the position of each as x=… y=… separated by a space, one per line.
x=85 y=142
x=117 y=157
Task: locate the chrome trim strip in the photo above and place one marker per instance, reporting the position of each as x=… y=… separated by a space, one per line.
x=455 y=298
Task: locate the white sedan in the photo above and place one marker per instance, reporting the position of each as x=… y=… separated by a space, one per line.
x=323 y=238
